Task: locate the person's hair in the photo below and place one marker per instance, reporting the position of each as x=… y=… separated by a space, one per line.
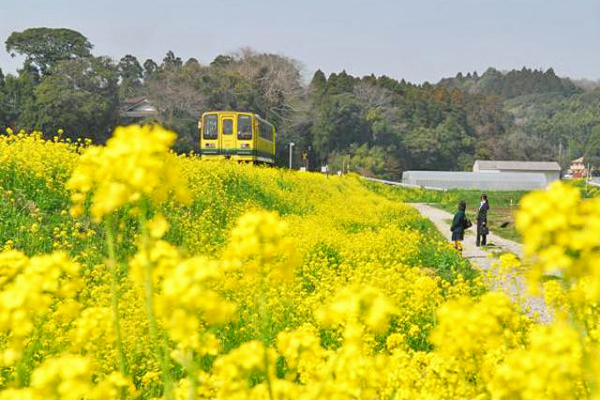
x=485 y=198
x=462 y=206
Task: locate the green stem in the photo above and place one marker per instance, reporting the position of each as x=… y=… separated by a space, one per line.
x=157 y=345
x=264 y=325
x=190 y=368
x=582 y=328
x=269 y=385
x=25 y=364
x=114 y=294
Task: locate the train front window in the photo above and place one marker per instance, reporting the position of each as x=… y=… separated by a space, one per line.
x=244 y=126
x=227 y=126
x=210 y=126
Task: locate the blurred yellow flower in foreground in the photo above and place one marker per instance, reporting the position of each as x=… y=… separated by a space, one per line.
x=135 y=164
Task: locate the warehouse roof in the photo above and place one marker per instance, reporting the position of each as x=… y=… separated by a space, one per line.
x=517 y=165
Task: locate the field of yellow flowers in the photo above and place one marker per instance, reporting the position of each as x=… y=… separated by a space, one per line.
x=128 y=272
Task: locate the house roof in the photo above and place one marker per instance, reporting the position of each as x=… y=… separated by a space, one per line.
x=134 y=103
x=137 y=107
x=133 y=100
x=518 y=165
x=577 y=160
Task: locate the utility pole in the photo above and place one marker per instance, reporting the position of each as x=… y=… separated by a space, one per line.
x=291 y=146
x=587 y=179
x=559 y=151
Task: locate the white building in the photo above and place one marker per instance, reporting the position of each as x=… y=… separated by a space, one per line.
x=550 y=169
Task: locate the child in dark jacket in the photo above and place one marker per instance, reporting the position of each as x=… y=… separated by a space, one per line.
x=459 y=224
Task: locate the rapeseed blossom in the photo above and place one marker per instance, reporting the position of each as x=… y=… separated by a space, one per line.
x=132 y=166
x=562 y=235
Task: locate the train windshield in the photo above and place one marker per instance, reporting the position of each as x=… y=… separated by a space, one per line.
x=244 y=127
x=210 y=126
x=227 y=126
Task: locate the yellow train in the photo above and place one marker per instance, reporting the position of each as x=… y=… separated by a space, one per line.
x=239 y=136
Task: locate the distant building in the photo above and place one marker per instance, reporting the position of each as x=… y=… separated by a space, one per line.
x=550 y=169
x=136 y=109
x=577 y=168
x=476 y=180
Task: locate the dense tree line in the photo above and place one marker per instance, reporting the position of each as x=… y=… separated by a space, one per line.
x=551 y=118
x=557 y=126
x=513 y=83
x=377 y=125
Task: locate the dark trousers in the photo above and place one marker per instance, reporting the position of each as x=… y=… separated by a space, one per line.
x=481 y=238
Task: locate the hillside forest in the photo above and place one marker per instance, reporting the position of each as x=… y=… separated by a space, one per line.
x=375 y=125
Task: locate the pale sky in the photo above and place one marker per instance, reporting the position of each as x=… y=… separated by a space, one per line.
x=418 y=40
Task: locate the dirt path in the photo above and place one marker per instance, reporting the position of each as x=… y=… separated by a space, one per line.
x=514 y=285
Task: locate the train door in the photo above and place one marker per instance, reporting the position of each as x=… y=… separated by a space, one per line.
x=228 y=138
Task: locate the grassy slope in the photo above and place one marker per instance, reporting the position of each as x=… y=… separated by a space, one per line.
x=343 y=232
x=34 y=211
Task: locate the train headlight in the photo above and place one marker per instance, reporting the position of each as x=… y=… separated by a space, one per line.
x=245 y=145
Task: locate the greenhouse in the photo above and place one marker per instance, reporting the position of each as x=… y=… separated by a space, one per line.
x=476 y=180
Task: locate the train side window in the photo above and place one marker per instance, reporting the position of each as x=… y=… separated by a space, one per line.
x=227 y=126
x=261 y=127
x=210 y=126
x=266 y=131
x=244 y=127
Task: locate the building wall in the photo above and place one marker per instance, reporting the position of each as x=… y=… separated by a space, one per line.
x=501 y=166
x=550 y=175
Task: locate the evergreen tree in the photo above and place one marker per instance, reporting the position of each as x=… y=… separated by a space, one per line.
x=79 y=96
x=44 y=47
x=150 y=68
x=318 y=85
x=171 y=61
x=131 y=74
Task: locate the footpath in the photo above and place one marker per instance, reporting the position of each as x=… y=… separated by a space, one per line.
x=513 y=285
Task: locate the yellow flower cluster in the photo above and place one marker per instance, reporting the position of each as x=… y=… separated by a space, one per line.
x=30 y=286
x=259 y=246
x=271 y=284
x=69 y=377
x=26 y=156
x=550 y=367
x=132 y=166
x=562 y=235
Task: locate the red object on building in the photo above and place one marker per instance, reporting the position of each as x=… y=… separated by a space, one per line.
x=578 y=168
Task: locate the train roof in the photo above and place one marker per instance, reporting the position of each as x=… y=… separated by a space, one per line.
x=238 y=112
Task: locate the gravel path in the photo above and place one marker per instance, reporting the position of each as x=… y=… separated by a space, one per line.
x=513 y=285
